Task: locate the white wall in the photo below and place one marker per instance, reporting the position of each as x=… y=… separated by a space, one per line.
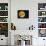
x=32 y=6
x=23 y=24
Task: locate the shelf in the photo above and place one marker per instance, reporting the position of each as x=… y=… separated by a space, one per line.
x=4 y=19
x=3 y=10
x=41 y=10
x=3 y=22
x=3 y=16
x=41 y=22
x=41 y=28
x=42 y=16
x=41 y=19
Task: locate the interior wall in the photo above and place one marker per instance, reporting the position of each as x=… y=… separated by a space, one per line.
x=32 y=6
x=23 y=24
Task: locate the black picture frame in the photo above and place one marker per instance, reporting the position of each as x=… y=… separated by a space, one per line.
x=26 y=14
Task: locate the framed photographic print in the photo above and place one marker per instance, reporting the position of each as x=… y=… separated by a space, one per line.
x=23 y=13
